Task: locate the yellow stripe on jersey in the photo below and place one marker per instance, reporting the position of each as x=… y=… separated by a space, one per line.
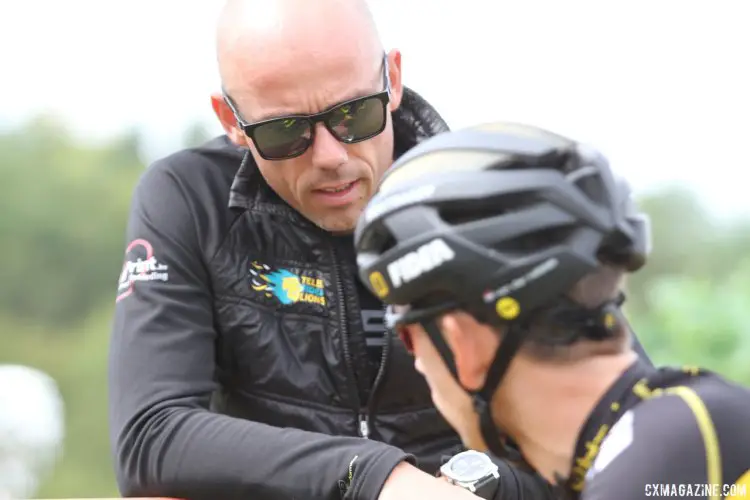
x=707 y=430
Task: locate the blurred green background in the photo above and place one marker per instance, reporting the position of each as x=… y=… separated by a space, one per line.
x=63 y=208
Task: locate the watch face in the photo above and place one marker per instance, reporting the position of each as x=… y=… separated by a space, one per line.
x=469 y=467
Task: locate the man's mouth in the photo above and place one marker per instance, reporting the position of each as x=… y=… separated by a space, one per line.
x=338 y=189
x=339 y=194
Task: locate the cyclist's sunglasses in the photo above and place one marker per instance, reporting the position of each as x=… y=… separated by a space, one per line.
x=402 y=319
x=351 y=121
x=404 y=334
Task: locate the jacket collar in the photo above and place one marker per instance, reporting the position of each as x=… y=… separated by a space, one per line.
x=414 y=121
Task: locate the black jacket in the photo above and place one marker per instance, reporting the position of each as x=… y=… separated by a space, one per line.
x=195 y=329
x=231 y=301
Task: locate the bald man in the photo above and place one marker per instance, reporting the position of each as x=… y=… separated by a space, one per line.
x=247 y=359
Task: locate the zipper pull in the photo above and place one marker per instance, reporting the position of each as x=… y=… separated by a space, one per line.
x=364 y=426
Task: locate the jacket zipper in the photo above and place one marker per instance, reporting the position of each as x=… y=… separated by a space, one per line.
x=364 y=412
x=379 y=377
x=362 y=420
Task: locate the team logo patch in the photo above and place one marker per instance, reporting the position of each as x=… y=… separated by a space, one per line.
x=141 y=265
x=286 y=286
x=378 y=284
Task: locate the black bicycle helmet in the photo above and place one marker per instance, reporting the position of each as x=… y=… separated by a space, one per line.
x=501 y=221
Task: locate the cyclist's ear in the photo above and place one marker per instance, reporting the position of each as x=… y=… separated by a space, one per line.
x=394 y=74
x=227 y=120
x=473 y=345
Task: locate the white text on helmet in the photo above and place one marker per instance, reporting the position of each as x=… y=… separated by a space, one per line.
x=425 y=258
x=545 y=267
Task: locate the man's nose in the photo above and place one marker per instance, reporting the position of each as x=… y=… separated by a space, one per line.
x=327 y=151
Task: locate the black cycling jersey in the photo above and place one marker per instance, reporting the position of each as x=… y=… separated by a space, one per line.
x=678 y=433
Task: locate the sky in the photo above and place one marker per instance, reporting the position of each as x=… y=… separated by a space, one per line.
x=662 y=88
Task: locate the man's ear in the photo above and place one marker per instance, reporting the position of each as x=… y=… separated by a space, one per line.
x=467 y=347
x=227 y=120
x=397 y=84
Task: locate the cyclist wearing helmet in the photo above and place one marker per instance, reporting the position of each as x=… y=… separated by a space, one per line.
x=502 y=251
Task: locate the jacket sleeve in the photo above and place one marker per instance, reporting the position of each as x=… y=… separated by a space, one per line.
x=166 y=442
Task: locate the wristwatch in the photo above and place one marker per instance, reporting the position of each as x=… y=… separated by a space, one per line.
x=473 y=471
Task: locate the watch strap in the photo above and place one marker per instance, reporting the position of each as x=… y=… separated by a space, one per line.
x=487 y=486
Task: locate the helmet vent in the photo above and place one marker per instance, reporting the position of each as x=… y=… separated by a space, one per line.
x=465 y=211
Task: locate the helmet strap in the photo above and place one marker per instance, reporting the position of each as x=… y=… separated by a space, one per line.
x=436 y=336
x=483 y=397
x=497 y=443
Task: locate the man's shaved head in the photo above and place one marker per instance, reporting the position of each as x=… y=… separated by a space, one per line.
x=256 y=37
x=299 y=57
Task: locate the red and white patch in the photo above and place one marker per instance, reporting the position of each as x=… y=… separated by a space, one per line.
x=140 y=265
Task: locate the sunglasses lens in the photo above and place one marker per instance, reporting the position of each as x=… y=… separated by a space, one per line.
x=283 y=138
x=358 y=120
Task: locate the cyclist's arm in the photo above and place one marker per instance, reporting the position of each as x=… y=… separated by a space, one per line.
x=669 y=446
x=162 y=374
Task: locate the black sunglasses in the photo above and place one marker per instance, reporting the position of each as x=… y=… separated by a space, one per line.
x=351 y=121
x=400 y=319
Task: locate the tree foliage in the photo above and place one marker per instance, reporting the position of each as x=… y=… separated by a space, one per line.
x=62 y=214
